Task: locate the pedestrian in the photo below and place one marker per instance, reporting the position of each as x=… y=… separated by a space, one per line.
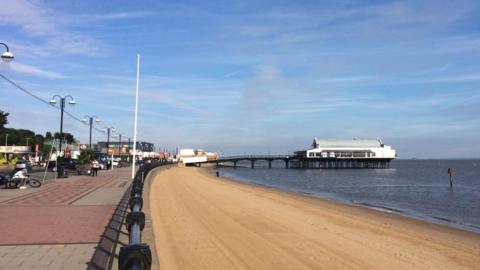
x=218 y=174
x=450 y=173
x=95 y=167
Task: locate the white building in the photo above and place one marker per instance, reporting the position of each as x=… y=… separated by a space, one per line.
x=195 y=156
x=348 y=149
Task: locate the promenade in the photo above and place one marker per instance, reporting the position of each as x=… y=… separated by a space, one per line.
x=67 y=223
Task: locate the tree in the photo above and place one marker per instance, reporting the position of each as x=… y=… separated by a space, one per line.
x=85 y=156
x=3 y=118
x=66 y=137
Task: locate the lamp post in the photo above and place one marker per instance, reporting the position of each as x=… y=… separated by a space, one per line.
x=71 y=102
x=90 y=119
x=108 y=129
x=119 y=144
x=53 y=101
x=28 y=149
x=128 y=149
x=7 y=56
x=6 y=144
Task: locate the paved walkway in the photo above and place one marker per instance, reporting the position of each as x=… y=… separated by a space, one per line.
x=59 y=225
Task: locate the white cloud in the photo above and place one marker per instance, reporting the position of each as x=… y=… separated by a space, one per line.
x=52 y=28
x=348 y=79
x=266 y=73
x=32 y=70
x=27 y=15
x=33 y=19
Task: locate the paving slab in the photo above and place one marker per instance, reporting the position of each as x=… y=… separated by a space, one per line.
x=102 y=196
x=53 y=224
x=46 y=256
x=60 y=225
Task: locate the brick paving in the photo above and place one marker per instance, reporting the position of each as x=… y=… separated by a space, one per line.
x=53 y=224
x=45 y=256
x=64 y=192
x=45 y=228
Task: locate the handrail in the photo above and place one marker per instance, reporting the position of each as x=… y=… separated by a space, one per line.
x=137 y=255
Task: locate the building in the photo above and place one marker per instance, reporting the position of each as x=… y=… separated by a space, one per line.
x=195 y=156
x=125 y=147
x=354 y=153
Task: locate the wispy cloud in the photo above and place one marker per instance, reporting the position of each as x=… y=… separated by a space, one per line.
x=348 y=79
x=36 y=71
x=54 y=29
x=36 y=20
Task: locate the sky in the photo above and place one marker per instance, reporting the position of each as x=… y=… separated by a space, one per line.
x=251 y=77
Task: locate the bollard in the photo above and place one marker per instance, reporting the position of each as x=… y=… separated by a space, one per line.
x=135 y=256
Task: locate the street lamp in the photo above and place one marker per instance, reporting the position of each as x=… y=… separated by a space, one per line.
x=71 y=102
x=108 y=129
x=6 y=143
x=120 y=143
x=128 y=149
x=7 y=56
x=90 y=119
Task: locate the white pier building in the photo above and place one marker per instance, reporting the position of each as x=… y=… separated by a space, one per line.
x=356 y=153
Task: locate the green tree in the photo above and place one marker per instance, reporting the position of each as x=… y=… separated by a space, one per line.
x=85 y=156
x=66 y=137
x=3 y=118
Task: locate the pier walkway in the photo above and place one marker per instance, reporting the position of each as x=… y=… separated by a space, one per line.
x=253 y=158
x=298 y=162
x=67 y=223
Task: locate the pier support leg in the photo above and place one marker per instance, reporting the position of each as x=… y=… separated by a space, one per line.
x=253 y=163
x=234 y=164
x=286 y=164
x=269 y=164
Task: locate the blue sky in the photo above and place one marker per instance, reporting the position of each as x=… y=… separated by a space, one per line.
x=252 y=77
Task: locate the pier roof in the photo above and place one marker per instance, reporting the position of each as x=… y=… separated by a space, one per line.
x=325 y=143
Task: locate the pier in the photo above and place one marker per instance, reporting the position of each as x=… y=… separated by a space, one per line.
x=299 y=162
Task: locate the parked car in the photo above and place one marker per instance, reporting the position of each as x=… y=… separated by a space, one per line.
x=24 y=164
x=102 y=159
x=68 y=163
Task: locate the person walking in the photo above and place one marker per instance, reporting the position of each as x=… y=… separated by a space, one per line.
x=95 y=167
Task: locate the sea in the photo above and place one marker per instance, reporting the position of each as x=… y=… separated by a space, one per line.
x=413 y=188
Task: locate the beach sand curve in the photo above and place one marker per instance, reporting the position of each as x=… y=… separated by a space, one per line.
x=204 y=222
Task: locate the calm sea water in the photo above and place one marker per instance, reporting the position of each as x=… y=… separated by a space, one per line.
x=417 y=188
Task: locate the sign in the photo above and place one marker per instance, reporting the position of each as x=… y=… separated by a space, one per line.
x=15 y=149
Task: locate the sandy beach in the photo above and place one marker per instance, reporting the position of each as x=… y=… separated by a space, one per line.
x=204 y=222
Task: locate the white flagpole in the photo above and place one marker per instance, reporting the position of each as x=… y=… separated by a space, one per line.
x=135 y=121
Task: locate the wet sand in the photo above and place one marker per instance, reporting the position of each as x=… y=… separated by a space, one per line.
x=204 y=222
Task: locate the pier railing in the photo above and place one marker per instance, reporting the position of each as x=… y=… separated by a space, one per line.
x=256 y=157
x=137 y=255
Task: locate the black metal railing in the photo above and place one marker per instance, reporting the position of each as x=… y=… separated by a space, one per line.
x=137 y=255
